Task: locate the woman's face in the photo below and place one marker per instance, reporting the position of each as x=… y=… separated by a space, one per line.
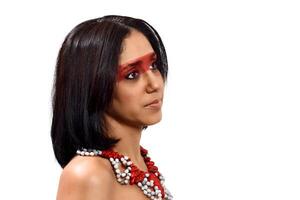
x=138 y=84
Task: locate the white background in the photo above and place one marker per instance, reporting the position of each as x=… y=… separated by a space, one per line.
x=231 y=114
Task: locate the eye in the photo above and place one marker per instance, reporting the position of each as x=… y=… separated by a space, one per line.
x=154 y=66
x=132 y=75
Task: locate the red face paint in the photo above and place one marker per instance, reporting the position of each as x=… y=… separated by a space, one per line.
x=141 y=64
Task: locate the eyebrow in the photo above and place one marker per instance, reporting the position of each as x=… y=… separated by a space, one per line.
x=137 y=61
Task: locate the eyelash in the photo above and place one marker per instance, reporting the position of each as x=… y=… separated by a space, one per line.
x=154 y=65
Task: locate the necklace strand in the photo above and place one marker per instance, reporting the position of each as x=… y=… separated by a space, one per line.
x=151 y=182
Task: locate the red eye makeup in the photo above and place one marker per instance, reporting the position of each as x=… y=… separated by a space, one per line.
x=140 y=64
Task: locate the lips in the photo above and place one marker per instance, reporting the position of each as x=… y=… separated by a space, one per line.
x=155 y=103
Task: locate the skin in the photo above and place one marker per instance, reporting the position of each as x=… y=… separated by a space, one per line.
x=91 y=178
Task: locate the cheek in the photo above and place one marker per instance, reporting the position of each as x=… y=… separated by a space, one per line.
x=128 y=97
x=160 y=81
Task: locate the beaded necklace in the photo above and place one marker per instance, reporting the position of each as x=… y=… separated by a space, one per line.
x=151 y=182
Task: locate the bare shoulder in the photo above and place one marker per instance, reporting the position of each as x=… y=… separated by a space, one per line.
x=86 y=178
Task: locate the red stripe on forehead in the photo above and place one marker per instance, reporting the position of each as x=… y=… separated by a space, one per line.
x=150 y=56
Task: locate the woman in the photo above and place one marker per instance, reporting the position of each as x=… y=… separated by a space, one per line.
x=109 y=86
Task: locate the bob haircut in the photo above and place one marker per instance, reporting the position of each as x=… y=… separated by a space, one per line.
x=85 y=76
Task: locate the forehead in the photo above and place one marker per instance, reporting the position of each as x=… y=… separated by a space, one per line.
x=134 y=46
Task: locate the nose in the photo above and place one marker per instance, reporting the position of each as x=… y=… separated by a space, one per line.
x=153 y=82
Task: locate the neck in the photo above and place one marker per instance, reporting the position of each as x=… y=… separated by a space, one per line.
x=130 y=136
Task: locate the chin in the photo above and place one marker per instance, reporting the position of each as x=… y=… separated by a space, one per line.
x=152 y=120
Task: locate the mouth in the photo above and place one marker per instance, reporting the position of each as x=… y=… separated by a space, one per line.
x=156 y=104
